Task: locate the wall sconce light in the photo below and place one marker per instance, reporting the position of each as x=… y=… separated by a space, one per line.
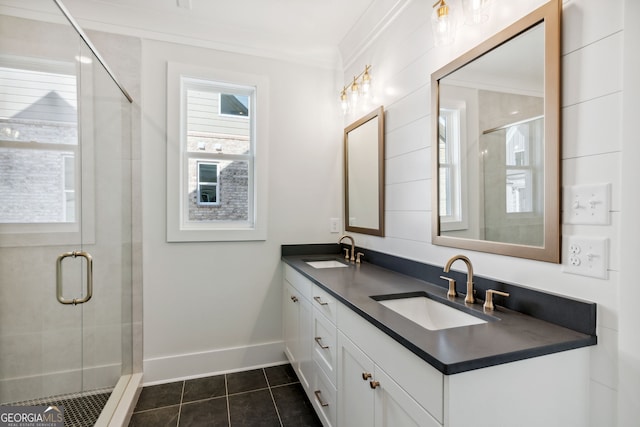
x=475 y=11
x=443 y=23
x=359 y=88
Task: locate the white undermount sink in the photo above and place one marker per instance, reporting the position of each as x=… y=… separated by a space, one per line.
x=430 y=314
x=330 y=263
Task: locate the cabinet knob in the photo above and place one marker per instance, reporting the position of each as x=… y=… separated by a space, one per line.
x=374 y=384
x=294 y=298
x=366 y=376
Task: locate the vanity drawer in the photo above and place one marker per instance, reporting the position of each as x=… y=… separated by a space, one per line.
x=298 y=281
x=324 y=344
x=323 y=397
x=324 y=302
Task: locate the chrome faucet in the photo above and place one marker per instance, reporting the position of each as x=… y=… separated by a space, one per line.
x=469 y=298
x=353 y=247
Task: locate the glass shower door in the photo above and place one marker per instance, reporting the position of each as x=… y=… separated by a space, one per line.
x=65 y=217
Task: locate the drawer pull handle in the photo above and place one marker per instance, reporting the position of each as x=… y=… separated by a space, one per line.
x=319 y=301
x=318 y=341
x=366 y=376
x=320 y=401
x=374 y=384
x=294 y=298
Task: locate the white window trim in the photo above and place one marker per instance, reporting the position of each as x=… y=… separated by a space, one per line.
x=178 y=229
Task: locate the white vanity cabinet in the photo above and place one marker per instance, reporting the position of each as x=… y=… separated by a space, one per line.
x=356 y=375
x=550 y=390
x=310 y=339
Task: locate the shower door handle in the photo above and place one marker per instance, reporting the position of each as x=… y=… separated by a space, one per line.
x=89 y=292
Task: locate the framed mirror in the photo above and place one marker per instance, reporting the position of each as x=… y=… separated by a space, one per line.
x=364 y=174
x=496 y=142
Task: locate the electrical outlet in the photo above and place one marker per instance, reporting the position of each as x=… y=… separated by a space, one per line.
x=587 y=204
x=334 y=225
x=587 y=256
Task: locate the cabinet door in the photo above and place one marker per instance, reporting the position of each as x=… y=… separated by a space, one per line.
x=290 y=322
x=306 y=363
x=355 y=395
x=297 y=331
x=395 y=408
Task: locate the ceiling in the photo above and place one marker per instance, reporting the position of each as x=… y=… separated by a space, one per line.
x=295 y=28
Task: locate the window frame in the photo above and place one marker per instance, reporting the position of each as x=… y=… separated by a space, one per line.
x=179 y=228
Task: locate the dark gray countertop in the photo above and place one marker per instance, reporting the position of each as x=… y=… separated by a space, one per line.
x=508 y=335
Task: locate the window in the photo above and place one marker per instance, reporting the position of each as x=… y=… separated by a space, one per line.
x=234 y=105
x=449 y=158
x=207 y=183
x=522 y=166
x=216 y=187
x=39 y=152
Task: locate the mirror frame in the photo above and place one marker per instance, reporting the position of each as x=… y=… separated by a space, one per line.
x=377 y=114
x=551 y=14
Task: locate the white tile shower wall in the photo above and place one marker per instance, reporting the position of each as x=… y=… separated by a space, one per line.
x=404 y=57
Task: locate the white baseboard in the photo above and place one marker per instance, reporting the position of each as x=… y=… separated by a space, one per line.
x=220 y=361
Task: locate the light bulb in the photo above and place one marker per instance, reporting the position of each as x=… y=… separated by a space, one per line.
x=475 y=11
x=366 y=82
x=443 y=23
x=354 y=93
x=344 y=101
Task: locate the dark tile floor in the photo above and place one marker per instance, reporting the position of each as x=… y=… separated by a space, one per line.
x=257 y=398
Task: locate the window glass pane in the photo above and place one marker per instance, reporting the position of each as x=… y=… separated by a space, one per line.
x=208 y=172
x=208 y=193
x=232 y=200
x=235 y=105
x=210 y=132
x=38 y=138
x=32 y=186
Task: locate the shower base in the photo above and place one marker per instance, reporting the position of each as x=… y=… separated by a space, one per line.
x=80 y=409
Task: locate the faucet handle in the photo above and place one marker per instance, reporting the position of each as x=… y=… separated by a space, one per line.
x=452 y=286
x=488 y=302
x=358 y=256
x=346 y=253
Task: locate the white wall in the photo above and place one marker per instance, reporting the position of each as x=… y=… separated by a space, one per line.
x=403 y=58
x=211 y=307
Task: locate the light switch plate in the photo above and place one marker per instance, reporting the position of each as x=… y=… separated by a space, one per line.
x=587 y=204
x=587 y=256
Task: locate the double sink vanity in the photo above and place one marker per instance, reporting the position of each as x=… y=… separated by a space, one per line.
x=381 y=343
x=378 y=340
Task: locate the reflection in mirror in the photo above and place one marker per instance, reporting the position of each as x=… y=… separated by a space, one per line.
x=364 y=174
x=496 y=160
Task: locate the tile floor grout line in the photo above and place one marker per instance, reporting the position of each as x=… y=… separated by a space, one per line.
x=226 y=393
x=181 y=399
x=264 y=372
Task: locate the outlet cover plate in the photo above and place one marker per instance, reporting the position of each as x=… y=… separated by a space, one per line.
x=587 y=256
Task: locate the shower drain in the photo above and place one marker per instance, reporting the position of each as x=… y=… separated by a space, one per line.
x=80 y=409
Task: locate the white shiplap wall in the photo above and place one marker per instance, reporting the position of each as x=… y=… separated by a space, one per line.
x=403 y=58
